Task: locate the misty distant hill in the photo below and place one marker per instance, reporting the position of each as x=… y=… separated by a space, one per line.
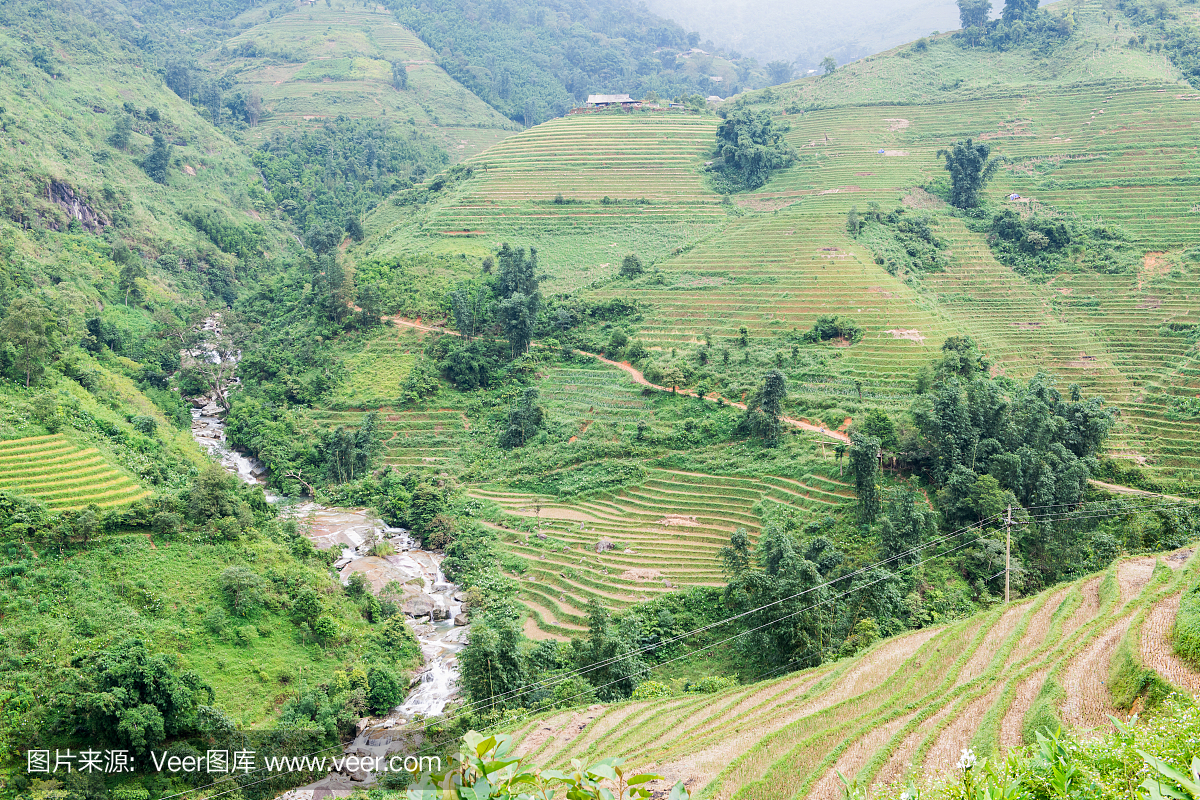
x=807 y=31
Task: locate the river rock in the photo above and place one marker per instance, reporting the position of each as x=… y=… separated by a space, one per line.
x=460 y=619
x=603 y=545
x=418 y=605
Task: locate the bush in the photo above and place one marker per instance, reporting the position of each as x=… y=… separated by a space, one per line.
x=651 y=690
x=833 y=327
x=386 y=690
x=244 y=589
x=712 y=684
x=326 y=629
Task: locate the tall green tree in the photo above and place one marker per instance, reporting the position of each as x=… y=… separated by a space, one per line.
x=609 y=656
x=30 y=331
x=469 y=303
x=131 y=697
x=493 y=671
x=750 y=148
x=764 y=410
x=122 y=131
x=131 y=272
x=779 y=72
x=158 y=160
x=525 y=418
x=864 y=465
x=974 y=13
x=970 y=170
x=521 y=299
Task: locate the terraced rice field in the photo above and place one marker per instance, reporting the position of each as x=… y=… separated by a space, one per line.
x=341 y=65
x=63 y=475
x=411 y=439
x=790 y=259
x=665 y=534
x=909 y=703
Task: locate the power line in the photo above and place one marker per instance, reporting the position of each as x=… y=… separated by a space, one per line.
x=469 y=708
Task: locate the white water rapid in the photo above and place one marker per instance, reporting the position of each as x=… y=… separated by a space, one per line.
x=431 y=604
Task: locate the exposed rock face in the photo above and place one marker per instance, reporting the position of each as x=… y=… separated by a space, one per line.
x=75 y=207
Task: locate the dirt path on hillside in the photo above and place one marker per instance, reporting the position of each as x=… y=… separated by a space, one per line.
x=640 y=379
x=1118 y=489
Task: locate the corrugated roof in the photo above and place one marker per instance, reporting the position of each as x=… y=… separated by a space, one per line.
x=610 y=98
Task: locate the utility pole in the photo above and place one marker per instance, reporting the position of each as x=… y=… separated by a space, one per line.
x=1007 y=552
x=1008 y=526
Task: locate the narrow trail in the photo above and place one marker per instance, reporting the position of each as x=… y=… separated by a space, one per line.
x=640 y=379
x=1118 y=489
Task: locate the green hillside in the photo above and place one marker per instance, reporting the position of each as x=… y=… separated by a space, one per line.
x=905 y=708
x=321 y=62
x=1091 y=127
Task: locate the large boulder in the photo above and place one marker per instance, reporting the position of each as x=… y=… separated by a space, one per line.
x=418 y=605
x=603 y=545
x=460 y=619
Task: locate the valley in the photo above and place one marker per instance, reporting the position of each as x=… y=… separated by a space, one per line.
x=368 y=388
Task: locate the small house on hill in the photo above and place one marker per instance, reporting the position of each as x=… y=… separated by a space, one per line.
x=610 y=100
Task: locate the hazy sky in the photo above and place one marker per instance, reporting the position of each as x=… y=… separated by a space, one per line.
x=806 y=31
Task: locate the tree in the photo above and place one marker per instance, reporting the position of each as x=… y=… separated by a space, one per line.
x=779 y=72
x=29 y=330
x=469 y=304
x=399 y=75
x=1015 y=10
x=631 y=267
x=970 y=169
x=133 y=270
x=764 y=410
x=853 y=223
x=130 y=697
x=608 y=657
x=877 y=423
x=493 y=672
x=829 y=65
x=750 y=148
x=210 y=98
x=518 y=313
x=253 y=109
x=525 y=417
x=521 y=300
x=122 y=131
x=158 y=160
x=974 y=13
x=908 y=521
x=864 y=464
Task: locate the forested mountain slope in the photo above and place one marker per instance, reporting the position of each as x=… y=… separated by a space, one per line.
x=319 y=62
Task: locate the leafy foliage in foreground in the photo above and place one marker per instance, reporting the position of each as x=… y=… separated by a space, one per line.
x=1152 y=758
x=483 y=767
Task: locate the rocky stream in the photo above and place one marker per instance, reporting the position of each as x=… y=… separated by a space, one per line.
x=431 y=604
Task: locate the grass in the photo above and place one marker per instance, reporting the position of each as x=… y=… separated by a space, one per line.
x=168 y=594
